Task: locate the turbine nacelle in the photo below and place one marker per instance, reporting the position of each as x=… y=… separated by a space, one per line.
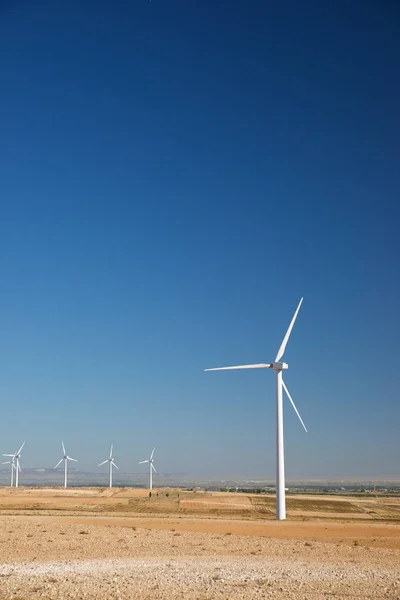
x=279 y=366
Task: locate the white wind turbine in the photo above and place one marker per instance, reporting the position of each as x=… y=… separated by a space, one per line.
x=151 y=468
x=111 y=463
x=15 y=464
x=12 y=463
x=65 y=458
x=278 y=367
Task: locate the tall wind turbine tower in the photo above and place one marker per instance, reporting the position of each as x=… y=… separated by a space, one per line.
x=65 y=458
x=111 y=463
x=278 y=367
x=15 y=464
x=151 y=468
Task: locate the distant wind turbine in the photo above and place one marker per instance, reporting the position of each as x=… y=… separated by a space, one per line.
x=151 y=468
x=65 y=458
x=278 y=367
x=15 y=464
x=111 y=463
x=12 y=463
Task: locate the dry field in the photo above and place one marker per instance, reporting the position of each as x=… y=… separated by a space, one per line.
x=103 y=544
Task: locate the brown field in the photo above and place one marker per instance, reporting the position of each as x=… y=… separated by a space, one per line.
x=120 y=543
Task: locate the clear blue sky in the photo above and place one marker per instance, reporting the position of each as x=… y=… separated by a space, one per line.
x=174 y=176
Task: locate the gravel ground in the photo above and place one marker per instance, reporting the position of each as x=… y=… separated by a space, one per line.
x=55 y=559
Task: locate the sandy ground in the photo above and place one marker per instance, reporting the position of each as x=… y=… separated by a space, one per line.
x=162 y=556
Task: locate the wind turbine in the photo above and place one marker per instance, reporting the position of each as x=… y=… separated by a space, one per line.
x=65 y=458
x=15 y=463
x=151 y=468
x=10 y=462
x=111 y=463
x=278 y=367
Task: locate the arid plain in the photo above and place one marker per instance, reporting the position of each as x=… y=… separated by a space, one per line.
x=120 y=543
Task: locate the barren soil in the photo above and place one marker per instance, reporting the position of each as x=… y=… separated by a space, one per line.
x=93 y=543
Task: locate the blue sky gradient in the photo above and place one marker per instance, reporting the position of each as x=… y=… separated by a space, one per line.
x=175 y=175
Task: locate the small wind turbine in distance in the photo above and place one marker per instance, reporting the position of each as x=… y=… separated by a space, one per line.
x=10 y=462
x=151 y=468
x=111 y=463
x=278 y=367
x=65 y=458
x=15 y=464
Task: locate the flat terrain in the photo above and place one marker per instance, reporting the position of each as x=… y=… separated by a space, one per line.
x=101 y=543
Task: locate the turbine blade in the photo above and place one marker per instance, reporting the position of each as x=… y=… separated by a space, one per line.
x=19 y=467
x=69 y=458
x=103 y=463
x=111 y=450
x=142 y=462
x=19 y=451
x=287 y=335
x=152 y=454
x=293 y=404
x=7 y=462
x=153 y=467
x=114 y=465
x=8 y=454
x=259 y=366
x=63 y=447
x=59 y=463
